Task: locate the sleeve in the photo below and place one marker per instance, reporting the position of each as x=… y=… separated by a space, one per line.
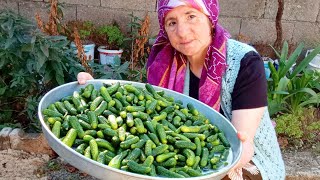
x=250 y=90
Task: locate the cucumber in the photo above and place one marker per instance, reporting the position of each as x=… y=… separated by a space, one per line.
x=223 y=139
x=101 y=108
x=113 y=88
x=105 y=94
x=162 y=157
x=105 y=144
x=133 y=156
x=73 y=120
x=93 y=119
x=51 y=113
x=138 y=168
x=148 y=162
x=61 y=108
x=56 y=129
x=181 y=144
x=94 y=149
x=70 y=137
x=70 y=108
x=80 y=149
x=127 y=143
x=161 y=133
x=204 y=157
x=116 y=161
x=139 y=144
x=162 y=171
x=191 y=158
x=88 y=90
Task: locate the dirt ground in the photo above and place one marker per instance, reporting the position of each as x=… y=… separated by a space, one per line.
x=16 y=165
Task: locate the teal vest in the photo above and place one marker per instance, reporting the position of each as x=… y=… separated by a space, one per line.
x=267 y=156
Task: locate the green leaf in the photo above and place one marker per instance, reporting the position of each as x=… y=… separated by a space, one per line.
x=304 y=63
x=59 y=79
x=283 y=56
x=9 y=42
x=313 y=100
x=45 y=49
x=292 y=59
x=41 y=59
x=3 y=90
x=303 y=90
x=275 y=51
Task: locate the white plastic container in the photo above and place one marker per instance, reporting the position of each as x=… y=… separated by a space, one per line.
x=107 y=56
x=88 y=50
x=315 y=63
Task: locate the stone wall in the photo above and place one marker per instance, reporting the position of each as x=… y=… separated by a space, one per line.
x=253 y=19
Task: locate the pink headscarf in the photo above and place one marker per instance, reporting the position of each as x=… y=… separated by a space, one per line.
x=166 y=67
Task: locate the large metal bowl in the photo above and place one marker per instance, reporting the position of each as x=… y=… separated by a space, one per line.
x=101 y=171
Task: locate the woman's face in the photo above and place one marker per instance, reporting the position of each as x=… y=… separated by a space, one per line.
x=189 y=30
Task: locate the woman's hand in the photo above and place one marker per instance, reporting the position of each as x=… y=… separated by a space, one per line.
x=247 y=150
x=83 y=77
x=246 y=121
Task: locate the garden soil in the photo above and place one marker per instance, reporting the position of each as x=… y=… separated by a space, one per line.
x=16 y=165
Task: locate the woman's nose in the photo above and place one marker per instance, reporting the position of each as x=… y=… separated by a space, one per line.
x=182 y=29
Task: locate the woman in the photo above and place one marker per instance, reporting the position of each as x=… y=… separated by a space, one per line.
x=194 y=55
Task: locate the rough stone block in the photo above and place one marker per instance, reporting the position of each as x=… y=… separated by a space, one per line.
x=300 y=10
x=151 y=5
x=154 y=23
x=29 y=10
x=4 y=138
x=242 y=8
x=125 y=4
x=232 y=25
x=33 y=142
x=6 y=4
x=306 y=32
x=264 y=31
x=102 y=15
x=82 y=2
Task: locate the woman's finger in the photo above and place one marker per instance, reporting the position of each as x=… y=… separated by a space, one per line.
x=83 y=77
x=243 y=136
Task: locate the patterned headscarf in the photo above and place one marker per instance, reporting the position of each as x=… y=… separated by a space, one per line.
x=166 y=67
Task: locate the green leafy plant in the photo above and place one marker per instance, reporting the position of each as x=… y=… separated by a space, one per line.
x=31 y=63
x=287 y=91
x=138 y=40
x=113 y=35
x=304 y=124
x=86 y=30
x=113 y=71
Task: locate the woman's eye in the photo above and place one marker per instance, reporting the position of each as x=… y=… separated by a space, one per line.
x=171 y=23
x=191 y=16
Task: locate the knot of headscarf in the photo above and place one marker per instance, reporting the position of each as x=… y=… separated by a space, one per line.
x=166 y=67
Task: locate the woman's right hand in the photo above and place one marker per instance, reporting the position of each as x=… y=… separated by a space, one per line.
x=83 y=77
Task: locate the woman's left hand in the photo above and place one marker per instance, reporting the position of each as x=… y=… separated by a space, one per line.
x=247 y=150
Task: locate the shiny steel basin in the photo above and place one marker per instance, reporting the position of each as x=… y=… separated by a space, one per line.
x=102 y=171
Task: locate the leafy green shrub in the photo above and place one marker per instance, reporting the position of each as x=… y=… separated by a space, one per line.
x=304 y=125
x=288 y=92
x=113 y=71
x=113 y=34
x=31 y=63
x=289 y=125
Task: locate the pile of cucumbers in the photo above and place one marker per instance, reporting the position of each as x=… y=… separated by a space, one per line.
x=138 y=130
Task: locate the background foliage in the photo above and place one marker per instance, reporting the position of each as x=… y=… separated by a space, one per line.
x=31 y=63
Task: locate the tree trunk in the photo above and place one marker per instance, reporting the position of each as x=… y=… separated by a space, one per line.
x=278 y=42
